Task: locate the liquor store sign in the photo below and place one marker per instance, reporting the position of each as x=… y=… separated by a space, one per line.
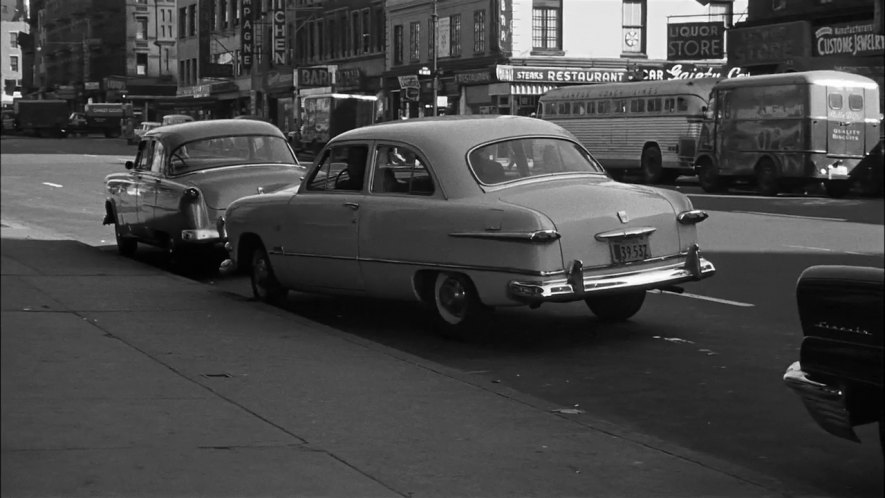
x=695 y=41
x=855 y=39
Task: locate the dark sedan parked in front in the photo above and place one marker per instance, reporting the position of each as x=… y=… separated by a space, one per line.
x=185 y=175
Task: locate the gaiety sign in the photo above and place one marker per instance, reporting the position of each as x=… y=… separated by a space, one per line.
x=529 y=74
x=848 y=39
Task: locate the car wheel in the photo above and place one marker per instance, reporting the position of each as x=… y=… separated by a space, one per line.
x=265 y=286
x=616 y=307
x=766 y=180
x=711 y=182
x=837 y=188
x=652 y=165
x=458 y=308
x=126 y=246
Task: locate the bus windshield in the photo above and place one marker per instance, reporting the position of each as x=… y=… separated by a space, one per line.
x=512 y=160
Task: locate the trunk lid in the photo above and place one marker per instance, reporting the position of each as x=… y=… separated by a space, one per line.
x=222 y=186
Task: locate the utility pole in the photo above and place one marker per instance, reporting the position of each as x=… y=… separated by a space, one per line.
x=435 y=18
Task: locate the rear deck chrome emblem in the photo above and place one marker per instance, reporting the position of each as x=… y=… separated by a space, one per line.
x=622 y=215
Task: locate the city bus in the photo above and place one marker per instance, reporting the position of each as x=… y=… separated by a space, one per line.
x=646 y=127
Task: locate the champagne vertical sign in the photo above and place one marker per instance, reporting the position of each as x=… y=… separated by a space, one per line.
x=246 y=34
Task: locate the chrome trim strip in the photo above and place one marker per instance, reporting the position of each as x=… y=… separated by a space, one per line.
x=533 y=236
x=625 y=233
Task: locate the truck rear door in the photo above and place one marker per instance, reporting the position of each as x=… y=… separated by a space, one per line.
x=845 y=117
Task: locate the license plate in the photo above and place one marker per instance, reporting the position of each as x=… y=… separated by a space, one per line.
x=629 y=250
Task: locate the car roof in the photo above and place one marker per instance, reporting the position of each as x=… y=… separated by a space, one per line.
x=173 y=135
x=446 y=141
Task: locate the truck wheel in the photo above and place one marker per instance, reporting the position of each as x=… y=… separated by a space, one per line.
x=711 y=182
x=652 y=165
x=837 y=188
x=766 y=179
x=616 y=307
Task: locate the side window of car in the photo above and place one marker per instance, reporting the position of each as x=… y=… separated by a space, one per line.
x=145 y=156
x=401 y=170
x=341 y=168
x=158 y=159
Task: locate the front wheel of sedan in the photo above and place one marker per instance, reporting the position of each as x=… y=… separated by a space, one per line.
x=125 y=246
x=458 y=308
x=265 y=286
x=616 y=307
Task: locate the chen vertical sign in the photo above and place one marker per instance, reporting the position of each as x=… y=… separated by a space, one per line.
x=246 y=32
x=279 y=32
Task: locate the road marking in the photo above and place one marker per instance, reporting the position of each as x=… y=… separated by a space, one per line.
x=824 y=249
x=792 y=216
x=52 y=185
x=707 y=298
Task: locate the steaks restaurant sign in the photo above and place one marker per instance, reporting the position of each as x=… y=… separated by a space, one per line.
x=530 y=74
x=855 y=39
x=695 y=41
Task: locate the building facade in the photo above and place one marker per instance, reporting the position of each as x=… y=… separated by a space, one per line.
x=799 y=35
x=13 y=18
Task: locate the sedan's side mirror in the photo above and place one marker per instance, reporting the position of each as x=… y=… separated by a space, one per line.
x=129 y=164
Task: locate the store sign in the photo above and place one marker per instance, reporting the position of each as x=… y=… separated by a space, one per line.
x=855 y=39
x=772 y=44
x=473 y=77
x=695 y=41
x=313 y=77
x=443 y=42
x=348 y=79
x=246 y=40
x=503 y=22
x=557 y=75
x=279 y=33
x=409 y=81
x=91 y=85
x=685 y=71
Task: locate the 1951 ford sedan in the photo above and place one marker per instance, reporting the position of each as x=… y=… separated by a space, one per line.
x=185 y=175
x=466 y=213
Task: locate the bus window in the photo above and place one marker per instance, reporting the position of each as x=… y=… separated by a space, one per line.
x=637 y=105
x=591 y=107
x=835 y=101
x=578 y=108
x=550 y=108
x=603 y=107
x=669 y=105
x=564 y=108
x=855 y=102
x=620 y=106
x=654 y=105
x=681 y=104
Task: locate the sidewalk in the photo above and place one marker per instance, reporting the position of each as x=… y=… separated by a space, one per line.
x=122 y=380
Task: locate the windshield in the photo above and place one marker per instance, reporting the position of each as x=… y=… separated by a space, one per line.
x=219 y=152
x=529 y=157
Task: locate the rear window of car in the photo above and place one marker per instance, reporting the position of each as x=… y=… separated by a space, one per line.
x=218 y=152
x=513 y=160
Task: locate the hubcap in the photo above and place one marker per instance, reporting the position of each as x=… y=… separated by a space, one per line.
x=453 y=297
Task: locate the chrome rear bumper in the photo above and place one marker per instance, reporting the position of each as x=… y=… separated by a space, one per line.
x=826 y=404
x=576 y=285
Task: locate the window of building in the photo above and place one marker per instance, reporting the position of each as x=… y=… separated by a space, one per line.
x=479 y=32
x=192 y=20
x=546 y=25
x=398 y=44
x=414 y=42
x=13 y=39
x=225 y=14
x=431 y=39
x=380 y=30
x=455 y=35
x=365 y=36
x=720 y=11
x=141 y=61
x=633 y=27
x=235 y=7
x=182 y=21
x=141 y=27
x=355 y=32
x=13 y=63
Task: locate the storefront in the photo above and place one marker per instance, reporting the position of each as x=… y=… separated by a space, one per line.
x=850 y=46
x=279 y=91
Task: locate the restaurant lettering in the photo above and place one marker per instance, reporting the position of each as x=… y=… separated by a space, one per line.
x=545 y=75
x=848 y=39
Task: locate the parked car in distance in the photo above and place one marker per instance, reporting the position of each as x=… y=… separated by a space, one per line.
x=467 y=213
x=176 y=119
x=185 y=175
x=142 y=128
x=839 y=372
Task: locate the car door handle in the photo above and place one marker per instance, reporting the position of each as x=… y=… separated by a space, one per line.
x=352 y=205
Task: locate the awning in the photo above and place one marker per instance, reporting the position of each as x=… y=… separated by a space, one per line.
x=530 y=88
